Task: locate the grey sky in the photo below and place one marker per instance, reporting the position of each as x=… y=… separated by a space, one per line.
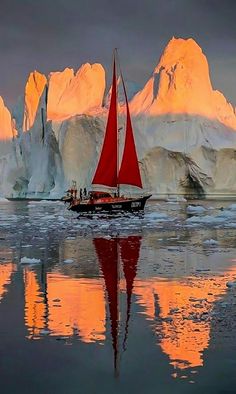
x=49 y=35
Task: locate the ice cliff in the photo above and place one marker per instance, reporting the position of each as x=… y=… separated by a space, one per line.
x=185 y=130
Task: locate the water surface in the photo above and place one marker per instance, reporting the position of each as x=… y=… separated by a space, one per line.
x=126 y=304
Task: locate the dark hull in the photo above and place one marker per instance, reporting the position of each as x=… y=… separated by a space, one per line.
x=129 y=205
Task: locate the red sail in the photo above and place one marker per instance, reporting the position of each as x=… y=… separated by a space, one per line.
x=106 y=173
x=129 y=173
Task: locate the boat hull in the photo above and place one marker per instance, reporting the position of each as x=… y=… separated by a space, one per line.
x=126 y=205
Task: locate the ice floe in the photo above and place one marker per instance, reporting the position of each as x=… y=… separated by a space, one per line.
x=2 y=199
x=231 y=284
x=27 y=260
x=195 y=209
x=210 y=242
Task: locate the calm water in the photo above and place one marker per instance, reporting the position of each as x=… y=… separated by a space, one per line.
x=117 y=305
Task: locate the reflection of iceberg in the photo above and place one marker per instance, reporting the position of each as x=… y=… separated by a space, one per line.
x=71 y=305
x=81 y=308
x=35 y=307
x=6 y=271
x=182 y=324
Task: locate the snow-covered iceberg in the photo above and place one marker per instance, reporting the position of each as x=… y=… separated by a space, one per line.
x=185 y=131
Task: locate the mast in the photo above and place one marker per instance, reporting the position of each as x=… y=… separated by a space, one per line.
x=109 y=172
x=118 y=160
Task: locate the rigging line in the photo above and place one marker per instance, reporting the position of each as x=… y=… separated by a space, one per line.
x=116 y=58
x=121 y=75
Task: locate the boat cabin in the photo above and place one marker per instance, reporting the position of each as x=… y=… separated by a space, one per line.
x=94 y=195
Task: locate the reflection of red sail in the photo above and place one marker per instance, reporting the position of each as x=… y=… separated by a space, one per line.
x=108 y=258
x=129 y=250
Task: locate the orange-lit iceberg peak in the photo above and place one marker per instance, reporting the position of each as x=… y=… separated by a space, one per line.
x=73 y=94
x=33 y=91
x=181 y=84
x=7 y=128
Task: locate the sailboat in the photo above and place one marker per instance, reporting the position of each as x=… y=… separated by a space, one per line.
x=108 y=172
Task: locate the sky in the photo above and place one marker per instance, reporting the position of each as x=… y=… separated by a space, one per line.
x=49 y=35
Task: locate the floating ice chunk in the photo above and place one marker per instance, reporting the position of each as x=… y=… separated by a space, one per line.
x=27 y=260
x=227 y=214
x=2 y=199
x=44 y=332
x=158 y=216
x=230 y=225
x=44 y=202
x=211 y=242
x=48 y=217
x=231 y=284
x=207 y=219
x=232 y=207
x=61 y=219
x=176 y=199
x=195 y=209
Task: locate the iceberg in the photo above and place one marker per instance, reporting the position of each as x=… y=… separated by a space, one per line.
x=185 y=131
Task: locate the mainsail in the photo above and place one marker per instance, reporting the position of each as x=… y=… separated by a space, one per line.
x=107 y=172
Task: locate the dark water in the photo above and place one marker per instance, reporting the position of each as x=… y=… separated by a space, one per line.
x=131 y=304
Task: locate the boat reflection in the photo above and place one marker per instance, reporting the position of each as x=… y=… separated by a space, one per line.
x=56 y=304
x=80 y=304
